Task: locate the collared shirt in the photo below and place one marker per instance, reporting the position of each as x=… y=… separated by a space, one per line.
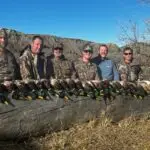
x=106 y=68
x=35 y=62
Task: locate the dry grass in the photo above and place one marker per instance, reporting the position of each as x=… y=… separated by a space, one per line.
x=128 y=134
x=102 y=134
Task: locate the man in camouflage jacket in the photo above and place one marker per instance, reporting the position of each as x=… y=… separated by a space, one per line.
x=86 y=70
x=8 y=65
x=129 y=68
x=58 y=66
x=32 y=60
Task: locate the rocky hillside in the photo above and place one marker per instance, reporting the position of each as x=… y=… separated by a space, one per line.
x=72 y=47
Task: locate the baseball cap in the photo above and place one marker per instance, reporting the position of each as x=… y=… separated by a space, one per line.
x=88 y=48
x=3 y=32
x=58 y=46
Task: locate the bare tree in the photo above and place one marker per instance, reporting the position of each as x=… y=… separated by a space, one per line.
x=129 y=32
x=130 y=35
x=147 y=23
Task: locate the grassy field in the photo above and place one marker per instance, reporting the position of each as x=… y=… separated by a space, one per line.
x=132 y=133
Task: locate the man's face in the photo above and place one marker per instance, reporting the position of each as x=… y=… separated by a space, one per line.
x=36 y=46
x=128 y=55
x=87 y=54
x=58 y=52
x=2 y=42
x=103 y=51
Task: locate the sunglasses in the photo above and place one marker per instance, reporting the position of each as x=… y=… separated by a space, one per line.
x=127 y=53
x=86 y=51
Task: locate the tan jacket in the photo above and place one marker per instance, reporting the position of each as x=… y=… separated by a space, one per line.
x=32 y=67
x=60 y=69
x=130 y=72
x=86 y=71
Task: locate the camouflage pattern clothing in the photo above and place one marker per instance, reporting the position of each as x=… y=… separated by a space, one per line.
x=8 y=66
x=130 y=72
x=32 y=66
x=60 y=68
x=86 y=71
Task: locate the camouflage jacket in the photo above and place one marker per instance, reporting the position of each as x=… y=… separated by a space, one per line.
x=8 y=66
x=60 y=69
x=86 y=71
x=32 y=67
x=130 y=72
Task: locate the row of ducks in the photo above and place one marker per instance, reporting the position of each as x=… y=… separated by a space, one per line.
x=70 y=89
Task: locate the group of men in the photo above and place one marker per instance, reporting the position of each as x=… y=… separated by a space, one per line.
x=34 y=65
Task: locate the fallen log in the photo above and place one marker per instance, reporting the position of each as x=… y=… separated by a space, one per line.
x=38 y=117
x=32 y=118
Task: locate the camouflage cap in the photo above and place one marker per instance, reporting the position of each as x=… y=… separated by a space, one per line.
x=58 y=45
x=3 y=32
x=88 y=48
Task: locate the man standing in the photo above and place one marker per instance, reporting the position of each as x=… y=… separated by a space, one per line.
x=106 y=68
x=86 y=70
x=32 y=61
x=58 y=66
x=129 y=68
x=8 y=65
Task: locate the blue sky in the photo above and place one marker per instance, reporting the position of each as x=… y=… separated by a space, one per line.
x=94 y=20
